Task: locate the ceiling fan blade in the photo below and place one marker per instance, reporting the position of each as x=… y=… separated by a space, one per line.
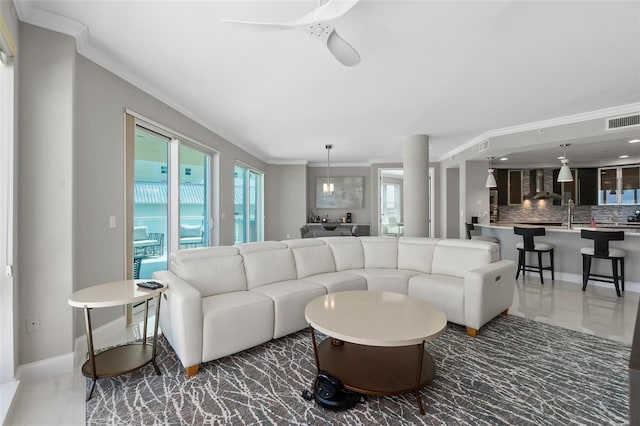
x=333 y=9
x=261 y=26
x=343 y=51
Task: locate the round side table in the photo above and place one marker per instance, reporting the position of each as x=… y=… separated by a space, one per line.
x=125 y=358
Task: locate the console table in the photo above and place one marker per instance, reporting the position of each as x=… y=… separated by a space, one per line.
x=125 y=358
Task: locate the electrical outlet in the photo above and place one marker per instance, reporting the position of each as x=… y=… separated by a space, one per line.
x=33 y=323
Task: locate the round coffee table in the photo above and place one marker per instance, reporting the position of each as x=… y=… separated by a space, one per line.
x=376 y=343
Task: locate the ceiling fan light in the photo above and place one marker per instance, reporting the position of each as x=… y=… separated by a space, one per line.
x=565 y=172
x=491 y=180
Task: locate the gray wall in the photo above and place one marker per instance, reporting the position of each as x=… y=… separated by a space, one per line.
x=476 y=194
x=452 y=203
x=71 y=180
x=363 y=215
x=285 y=202
x=45 y=258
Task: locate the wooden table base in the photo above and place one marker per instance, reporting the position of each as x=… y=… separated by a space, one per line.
x=377 y=370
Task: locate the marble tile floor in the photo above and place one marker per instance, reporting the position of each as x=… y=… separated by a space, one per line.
x=598 y=311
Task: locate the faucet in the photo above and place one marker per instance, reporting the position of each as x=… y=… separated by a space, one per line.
x=569 y=213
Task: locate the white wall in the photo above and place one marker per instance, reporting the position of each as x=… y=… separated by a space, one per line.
x=8 y=217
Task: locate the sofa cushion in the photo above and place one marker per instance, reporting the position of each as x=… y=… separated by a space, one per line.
x=313 y=260
x=259 y=246
x=339 y=281
x=455 y=257
x=416 y=254
x=290 y=298
x=380 y=252
x=190 y=231
x=140 y=233
x=445 y=292
x=347 y=252
x=211 y=270
x=270 y=266
x=393 y=280
x=233 y=322
x=304 y=242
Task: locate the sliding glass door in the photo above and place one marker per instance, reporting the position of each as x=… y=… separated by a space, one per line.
x=171 y=197
x=248 y=193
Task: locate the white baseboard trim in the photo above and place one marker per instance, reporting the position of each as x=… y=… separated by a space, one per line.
x=8 y=392
x=45 y=368
x=107 y=335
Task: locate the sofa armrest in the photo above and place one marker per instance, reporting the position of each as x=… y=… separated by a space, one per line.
x=488 y=291
x=181 y=318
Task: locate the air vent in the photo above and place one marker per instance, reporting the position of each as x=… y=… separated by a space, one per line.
x=483 y=146
x=623 y=122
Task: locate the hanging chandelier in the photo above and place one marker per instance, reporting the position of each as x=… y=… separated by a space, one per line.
x=327 y=187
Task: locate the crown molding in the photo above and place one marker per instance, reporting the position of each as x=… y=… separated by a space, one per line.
x=337 y=165
x=80 y=33
x=276 y=162
x=559 y=121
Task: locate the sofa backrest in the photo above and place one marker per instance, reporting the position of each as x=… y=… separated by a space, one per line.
x=416 y=254
x=267 y=262
x=312 y=256
x=456 y=257
x=211 y=270
x=347 y=252
x=380 y=252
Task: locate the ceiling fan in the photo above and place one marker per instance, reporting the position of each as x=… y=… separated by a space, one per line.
x=315 y=24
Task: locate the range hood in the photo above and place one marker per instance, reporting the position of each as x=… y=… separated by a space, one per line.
x=537 y=176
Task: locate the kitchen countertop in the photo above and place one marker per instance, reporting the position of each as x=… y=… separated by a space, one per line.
x=631 y=228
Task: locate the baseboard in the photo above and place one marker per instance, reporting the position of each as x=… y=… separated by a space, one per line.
x=45 y=368
x=109 y=334
x=8 y=392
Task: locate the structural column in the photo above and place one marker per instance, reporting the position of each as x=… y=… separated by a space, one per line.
x=415 y=198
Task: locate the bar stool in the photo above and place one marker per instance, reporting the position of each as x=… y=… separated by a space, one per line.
x=528 y=245
x=470 y=227
x=601 y=250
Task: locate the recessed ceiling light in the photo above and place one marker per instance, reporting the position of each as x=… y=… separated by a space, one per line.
x=634 y=141
x=623 y=156
x=504 y=159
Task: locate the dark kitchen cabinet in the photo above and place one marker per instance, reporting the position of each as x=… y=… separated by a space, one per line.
x=585 y=185
x=502 y=179
x=588 y=186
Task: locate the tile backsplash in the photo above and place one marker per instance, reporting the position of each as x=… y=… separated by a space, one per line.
x=545 y=211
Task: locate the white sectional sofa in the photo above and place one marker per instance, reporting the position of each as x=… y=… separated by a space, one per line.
x=222 y=300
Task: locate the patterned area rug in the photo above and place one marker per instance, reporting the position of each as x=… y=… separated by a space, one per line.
x=516 y=371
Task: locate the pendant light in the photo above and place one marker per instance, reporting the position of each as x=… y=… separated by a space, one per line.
x=491 y=180
x=327 y=187
x=565 y=172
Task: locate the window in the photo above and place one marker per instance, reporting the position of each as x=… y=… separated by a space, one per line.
x=7 y=340
x=171 y=197
x=249 y=204
x=619 y=185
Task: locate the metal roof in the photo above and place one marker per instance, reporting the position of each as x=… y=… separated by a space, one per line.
x=156 y=193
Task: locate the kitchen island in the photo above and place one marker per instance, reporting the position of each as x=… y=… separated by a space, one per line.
x=568 y=260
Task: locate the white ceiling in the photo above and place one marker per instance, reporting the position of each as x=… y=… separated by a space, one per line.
x=453 y=70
